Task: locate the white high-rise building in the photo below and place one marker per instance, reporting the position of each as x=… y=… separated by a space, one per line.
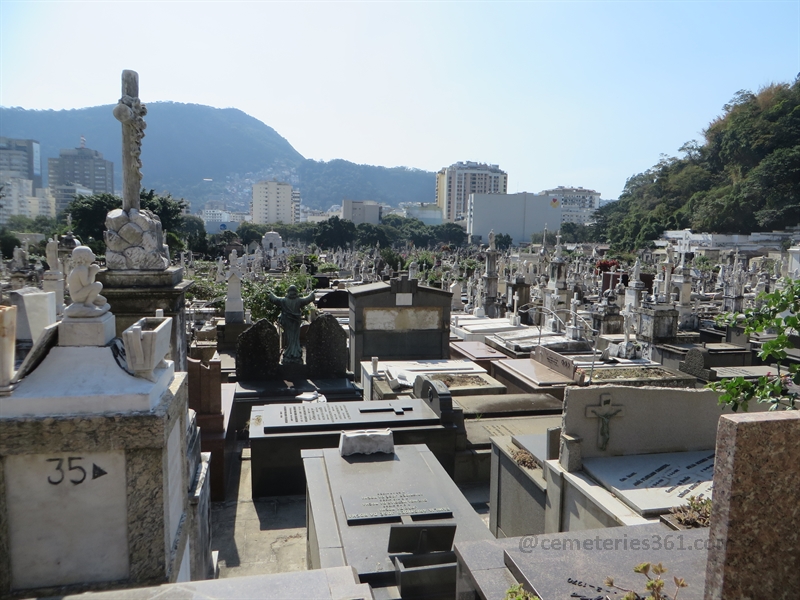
x=577 y=204
x=275 y=202
x=455 y=183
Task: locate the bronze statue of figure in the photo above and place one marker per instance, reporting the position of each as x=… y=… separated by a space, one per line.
x=290 y=319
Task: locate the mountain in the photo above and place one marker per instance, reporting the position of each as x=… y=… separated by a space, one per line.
x=744 y=177
x=186 y=145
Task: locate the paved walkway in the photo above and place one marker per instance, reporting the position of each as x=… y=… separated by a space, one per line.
x=269 y=535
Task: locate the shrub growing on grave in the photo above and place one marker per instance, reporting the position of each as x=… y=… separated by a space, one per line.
x=255 y=294
x=778 y=313
x=697 y=513
x=654 y=587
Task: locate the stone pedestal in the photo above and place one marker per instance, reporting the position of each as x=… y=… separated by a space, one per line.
x=94 y=499
x=53 y=281
x=8 y=336
x=137 y=294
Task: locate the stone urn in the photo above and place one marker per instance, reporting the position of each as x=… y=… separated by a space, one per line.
x=146 y=344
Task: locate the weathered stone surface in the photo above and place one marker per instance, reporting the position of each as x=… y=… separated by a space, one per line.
x=326 y=348
x=366 y=441
x=115 y=260
x=131 y=233
x=258 y=352
x=149 y=241
x=116 y=219
x=134 y=255
x=115 y=242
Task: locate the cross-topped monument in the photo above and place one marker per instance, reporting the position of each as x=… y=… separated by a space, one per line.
x=130 y=112
x=134 y=238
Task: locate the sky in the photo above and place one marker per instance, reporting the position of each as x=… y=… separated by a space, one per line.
x=584 y=93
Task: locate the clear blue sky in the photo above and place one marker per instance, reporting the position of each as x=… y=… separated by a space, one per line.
x=556 y=93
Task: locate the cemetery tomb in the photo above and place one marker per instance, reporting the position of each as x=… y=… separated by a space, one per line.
x=576 y=564
x=477 y=330
x=278 y=433
x=401 y=320
x=392 y=517
x=478 y=352
x=652 y=484
x=522 y=342
x=406 y=371
x=518 y=490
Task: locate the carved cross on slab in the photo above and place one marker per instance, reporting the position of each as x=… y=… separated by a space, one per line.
x=604 y=412
x=398 y=410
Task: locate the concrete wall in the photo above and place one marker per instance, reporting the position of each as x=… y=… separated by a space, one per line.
x=518 y=215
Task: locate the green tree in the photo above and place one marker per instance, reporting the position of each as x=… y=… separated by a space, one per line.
x=251 y=232
x=7 y=242
x=503 y=241
x=335 y=233
x=449 y=233
x=779 y=313
x=369 y=235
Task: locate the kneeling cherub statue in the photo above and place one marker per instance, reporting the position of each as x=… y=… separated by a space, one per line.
x=83 y=289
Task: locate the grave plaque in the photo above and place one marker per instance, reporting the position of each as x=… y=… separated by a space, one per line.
x=286 y=418
x=651 y=484
x=390 y=506
x=554 y=360
x=67 y=518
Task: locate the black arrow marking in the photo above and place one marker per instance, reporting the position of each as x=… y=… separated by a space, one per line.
x=97 y=471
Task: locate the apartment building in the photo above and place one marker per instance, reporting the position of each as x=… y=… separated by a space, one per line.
x=361 y=211
x=577 y=204
x=455 y=183
x=83 y=167
x=275 y=202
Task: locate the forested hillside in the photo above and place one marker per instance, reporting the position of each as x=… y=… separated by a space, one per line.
x=186 y=145
x=744 y=177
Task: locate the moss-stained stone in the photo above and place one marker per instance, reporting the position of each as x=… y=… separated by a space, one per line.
x=143 y=436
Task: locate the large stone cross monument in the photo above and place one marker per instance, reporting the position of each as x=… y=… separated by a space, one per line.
x=134 y=239
x=139 y=279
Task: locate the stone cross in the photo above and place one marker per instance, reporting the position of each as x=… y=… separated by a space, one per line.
x=130 y=112
x=627 y=322
x=604 y=412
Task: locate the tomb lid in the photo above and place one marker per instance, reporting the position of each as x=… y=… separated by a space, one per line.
x=477 y=351
x=652 y=484
x=535 y=443
x=746 y=372
x=575 y=564
x=335 y=416
x=534 y=371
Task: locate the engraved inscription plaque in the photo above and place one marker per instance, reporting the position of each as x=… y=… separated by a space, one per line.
x=383 y=506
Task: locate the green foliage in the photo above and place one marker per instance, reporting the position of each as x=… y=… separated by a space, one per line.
x=256 y=294
x=517 y=592
x=175 y=244
x=778 y=313
x=392 y=258
x=251 y=232
x=8 y=241
x=326 y=267
x=39 y=224
x=697 y=513
x=89 y=212
x=335 y=233
x=654 y=587
x=449 y=233
x=193 y=225
x=503 y=241
x=369 y=235
x=745 y=177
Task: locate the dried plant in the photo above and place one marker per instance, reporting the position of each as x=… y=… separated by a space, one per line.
x=697 y=513
x=654 y=588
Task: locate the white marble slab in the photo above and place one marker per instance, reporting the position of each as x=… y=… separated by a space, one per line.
x=651 y=484
x=67 y=518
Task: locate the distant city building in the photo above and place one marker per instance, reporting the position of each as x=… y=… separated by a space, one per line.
x=455 y=183
x=216 y=221
x=517 y=215
x=275 y=202
x=578 y=205
x=430 y=214
x=81 y=166
x=22 y=159
x=361 y=211
x=64 y=194
x=21 y=198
